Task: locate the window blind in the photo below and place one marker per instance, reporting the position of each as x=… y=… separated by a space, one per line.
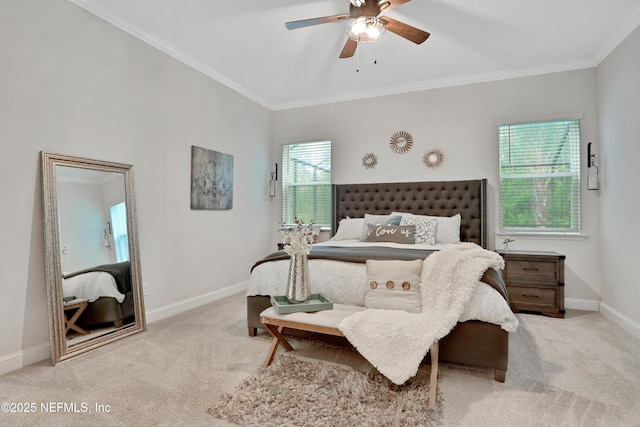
x=118 y=215
x=540 y=176
x=306 y=182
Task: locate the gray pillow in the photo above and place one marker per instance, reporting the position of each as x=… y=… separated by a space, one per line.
x=378 y=220
x=391 y=233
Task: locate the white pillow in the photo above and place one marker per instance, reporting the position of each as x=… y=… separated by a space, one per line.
x=349 y=229
x=377 y=220
x=425 y=228
x=447 y=229
x=394 y=285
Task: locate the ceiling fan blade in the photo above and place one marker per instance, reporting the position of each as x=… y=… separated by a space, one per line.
x=315 y=21
x=404 y=30
x=390 y=4
x=349 y=48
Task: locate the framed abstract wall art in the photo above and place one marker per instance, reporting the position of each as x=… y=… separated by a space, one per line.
x=211 y=179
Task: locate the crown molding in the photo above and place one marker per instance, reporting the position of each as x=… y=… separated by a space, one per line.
x=438 y=84
x=170 y=50
x=630 y=24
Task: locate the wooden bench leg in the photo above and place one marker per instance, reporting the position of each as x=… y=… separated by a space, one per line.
x=278 y=338
x=71 y=323
x=433 y=382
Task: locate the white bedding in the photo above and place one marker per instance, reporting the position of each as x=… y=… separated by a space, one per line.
x=345 y=283
x=91 y=286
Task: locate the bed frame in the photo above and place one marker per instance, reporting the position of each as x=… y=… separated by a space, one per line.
x=471 y=343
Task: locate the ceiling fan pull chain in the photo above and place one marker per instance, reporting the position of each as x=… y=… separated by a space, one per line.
x=357 y=61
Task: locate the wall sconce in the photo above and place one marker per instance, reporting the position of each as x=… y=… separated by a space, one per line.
x=592 y=174
x=272 y=182
x=105 y=236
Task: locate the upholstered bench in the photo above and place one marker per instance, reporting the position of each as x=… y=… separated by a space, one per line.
x=325 y=322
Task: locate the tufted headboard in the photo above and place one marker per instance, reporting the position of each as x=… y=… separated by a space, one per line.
x=437 y=198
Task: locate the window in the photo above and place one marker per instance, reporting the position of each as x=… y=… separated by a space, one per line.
x=540 y=176
x=118 y=215
x=306 y=182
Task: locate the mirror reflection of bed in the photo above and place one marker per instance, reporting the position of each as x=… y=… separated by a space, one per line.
x=104 y=298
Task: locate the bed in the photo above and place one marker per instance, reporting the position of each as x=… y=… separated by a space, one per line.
x=107 y=289
x=472 y=342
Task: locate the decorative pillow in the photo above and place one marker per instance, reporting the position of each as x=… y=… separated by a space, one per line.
x=394 y=285
x=447 y=228
x=425 y=228
x=349 y=229
x=378 y=220
x=391 y=233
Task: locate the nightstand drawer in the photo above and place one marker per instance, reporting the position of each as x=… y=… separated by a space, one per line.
x=531 y=269
x=533 y=297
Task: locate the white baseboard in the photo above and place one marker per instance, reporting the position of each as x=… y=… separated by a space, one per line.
x=582 y=304
x=191 y=303
x=25 y=357
x=622 y=320
x=40 y=352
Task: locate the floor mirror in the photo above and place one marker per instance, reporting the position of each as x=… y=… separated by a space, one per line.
x=92 y=259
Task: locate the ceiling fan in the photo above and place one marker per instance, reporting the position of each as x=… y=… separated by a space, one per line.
x=366 y=25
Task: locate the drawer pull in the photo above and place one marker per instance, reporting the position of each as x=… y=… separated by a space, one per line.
x=530 y=296
x=530 y=269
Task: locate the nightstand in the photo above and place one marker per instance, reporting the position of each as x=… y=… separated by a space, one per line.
x=535 y=281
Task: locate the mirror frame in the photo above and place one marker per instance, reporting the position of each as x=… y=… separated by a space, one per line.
x=60 y=351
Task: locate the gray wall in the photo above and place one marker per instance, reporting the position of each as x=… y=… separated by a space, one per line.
x=618 y=152
x=72 y=84
x=463 y=122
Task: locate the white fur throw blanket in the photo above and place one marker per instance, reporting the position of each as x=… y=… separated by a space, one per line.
x=395 y=341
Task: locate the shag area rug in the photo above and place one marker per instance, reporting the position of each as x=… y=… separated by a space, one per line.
x=303 y=392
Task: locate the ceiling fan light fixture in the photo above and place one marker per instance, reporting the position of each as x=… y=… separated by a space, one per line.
x=357 y=3
x=366 y=29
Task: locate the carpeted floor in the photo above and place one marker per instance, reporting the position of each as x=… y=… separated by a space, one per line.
x=579 y=371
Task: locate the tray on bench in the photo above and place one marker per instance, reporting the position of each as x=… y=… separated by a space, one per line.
x=317 y=302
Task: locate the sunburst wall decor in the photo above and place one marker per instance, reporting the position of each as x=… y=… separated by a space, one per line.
x=433 y=158
x=369 y=161
x=401 y=142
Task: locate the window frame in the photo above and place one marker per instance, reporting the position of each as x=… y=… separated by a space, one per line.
x=574 y=162
x=323 y=202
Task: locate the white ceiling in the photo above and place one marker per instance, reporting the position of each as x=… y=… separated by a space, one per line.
x=245 y=45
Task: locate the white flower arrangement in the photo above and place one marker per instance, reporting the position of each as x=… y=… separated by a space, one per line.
x=507 y=242
x=299 y=238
